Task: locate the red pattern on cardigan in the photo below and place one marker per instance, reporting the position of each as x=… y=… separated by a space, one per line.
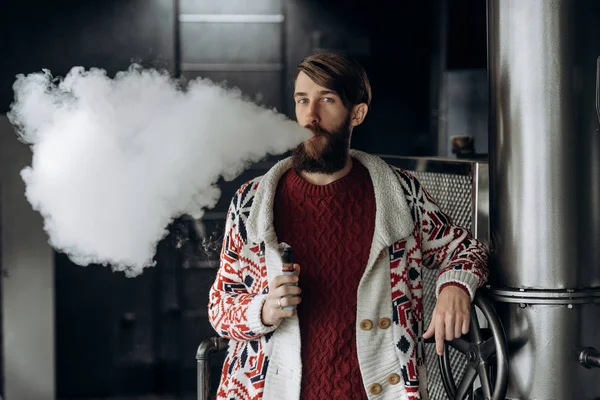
x=242 y=278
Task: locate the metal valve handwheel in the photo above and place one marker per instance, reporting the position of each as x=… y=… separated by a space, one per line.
x=481 y=347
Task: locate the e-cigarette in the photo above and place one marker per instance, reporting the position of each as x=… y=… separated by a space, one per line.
x=287 y=257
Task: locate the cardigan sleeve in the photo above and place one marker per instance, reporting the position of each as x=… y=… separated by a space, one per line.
x=233 y=312
x=460 y=258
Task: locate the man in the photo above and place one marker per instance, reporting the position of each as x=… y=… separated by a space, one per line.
x=361 y=232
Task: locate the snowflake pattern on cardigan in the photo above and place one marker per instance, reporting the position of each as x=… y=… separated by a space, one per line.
x=241 y=283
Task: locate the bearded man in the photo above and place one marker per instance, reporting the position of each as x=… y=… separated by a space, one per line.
x=349 y=323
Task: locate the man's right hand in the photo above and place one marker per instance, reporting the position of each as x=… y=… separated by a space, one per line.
x=272 y=311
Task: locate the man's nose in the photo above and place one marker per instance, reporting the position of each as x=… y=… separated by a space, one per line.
x=312 y=116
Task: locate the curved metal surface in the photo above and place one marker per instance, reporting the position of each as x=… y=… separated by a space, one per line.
x=544 y=163
x=560 y=297
x=501 y=348
x=545 y=294
x=544 y=343
x=478 y=351
x=598 y=88
x=589 y=357
x=545 y=190
x=206 y=348
x=209 y=346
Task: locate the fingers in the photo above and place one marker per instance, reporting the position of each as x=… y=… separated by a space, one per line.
x=446 y=327
x=449 y=326
x=430 y=331
x=286 y=296
x=462 y=322
x=450 y=320
x=283 y=302
x=438 y=328
x=458 y=329
x=439 y=335
x=465 y=324
x=272 y=314
x=284 y=292
x=273 y=309
x=456 y=325
x=283 y=280
x=292 y=267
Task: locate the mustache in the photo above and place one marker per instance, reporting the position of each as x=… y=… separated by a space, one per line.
x=317 y=130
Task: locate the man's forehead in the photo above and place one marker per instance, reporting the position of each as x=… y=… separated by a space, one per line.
x=305 y=85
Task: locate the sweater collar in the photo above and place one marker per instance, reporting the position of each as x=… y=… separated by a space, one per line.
x=393 y=220
x=344 y=184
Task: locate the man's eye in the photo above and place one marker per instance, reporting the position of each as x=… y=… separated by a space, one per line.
x=328 y=100
x=301 y=101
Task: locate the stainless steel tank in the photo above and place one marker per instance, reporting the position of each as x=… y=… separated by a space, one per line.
x=545 y=191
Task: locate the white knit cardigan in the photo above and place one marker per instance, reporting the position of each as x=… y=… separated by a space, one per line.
x=378 y=349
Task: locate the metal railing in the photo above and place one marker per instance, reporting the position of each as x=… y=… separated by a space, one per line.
x=207 y=348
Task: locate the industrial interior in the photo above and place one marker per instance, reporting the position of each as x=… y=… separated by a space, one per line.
x=493 y=104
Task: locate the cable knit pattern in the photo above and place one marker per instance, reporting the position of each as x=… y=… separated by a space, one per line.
x=330 y=228
x=411 y=233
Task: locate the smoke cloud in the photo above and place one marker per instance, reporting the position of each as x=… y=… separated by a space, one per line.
x=116 y=160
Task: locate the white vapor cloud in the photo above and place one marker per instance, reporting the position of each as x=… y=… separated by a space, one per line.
x=116 y=160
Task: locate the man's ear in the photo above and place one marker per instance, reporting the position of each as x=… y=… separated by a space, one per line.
x=359 y=112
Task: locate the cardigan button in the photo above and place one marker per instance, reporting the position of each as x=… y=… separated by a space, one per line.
x=394 y=379
x=375 y=388
x=385 y=323
x=366 y=325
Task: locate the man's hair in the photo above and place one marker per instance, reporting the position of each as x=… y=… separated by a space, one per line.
x=338 y=73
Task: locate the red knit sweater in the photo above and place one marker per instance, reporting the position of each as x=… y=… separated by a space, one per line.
x=330 y=229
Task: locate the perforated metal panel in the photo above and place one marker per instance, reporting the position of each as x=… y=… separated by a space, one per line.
x=453 y=193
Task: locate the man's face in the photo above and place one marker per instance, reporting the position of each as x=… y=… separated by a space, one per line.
x=321 y=110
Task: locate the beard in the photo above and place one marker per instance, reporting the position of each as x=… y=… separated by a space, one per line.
x=326 y=155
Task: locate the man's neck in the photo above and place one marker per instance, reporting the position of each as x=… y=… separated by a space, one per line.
x=319 y=179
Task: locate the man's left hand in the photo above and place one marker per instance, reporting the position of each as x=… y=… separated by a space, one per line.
x=451 y=316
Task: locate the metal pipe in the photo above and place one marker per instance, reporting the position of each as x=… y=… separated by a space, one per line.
x=545 y=191
x=540 y=133
x=590 y=357
x=205 y=350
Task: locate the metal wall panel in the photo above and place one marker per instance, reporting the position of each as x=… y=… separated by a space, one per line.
x=230 y=7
